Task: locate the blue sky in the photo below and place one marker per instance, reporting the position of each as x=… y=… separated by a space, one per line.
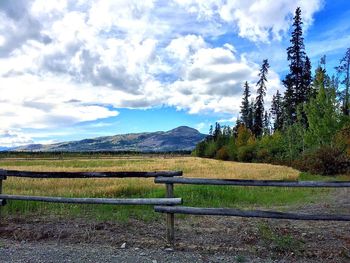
x=77 y=69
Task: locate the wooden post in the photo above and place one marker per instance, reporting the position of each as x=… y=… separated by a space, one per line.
x=2 y=202
x=170 y=217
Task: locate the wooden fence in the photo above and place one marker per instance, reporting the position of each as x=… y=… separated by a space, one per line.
x=68 y=175
x=168 y=204
x=171 y=210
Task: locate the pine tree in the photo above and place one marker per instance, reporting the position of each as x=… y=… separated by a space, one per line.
x=211 y=130
x=245 y=107
x=277 y=111
x=344 y=70
x=251 y=116
x=307 y=80
x=259 y=102
x=217 y=131
x=323 y=117
x=266 y=123
x=297 y=81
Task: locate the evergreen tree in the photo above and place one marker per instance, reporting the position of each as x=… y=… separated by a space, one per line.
x=217 y=131
x=344 y=70
x=323 y=117
x=277 y=111
x=307 y=80
x=259 y=102
x=267 y=130
x=245 y=107
x=320 y=80
x=251 y=116
x=297 y=81
x=211 y=130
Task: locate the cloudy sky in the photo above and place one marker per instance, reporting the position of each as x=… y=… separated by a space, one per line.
x=77 y=69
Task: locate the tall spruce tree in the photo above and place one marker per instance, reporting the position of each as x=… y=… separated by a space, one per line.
x=266 y=123
x=245 y=107
x=297 y=81
x=217 y=131
x=259 y=101
x=251 y=116
x=307 y=80
x=344 y=71
x=277 y=111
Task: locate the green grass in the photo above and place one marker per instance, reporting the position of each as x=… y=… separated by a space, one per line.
x=201 y=196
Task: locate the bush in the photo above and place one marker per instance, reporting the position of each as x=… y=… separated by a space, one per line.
x=210 y=150
x=326 y=160
x=223 y=153
x=263 y=155
x=232 y=150
x=246 y=153
x=342 y=139
x=200 y=149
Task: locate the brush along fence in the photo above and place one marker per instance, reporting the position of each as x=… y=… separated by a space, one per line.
x=171 y=210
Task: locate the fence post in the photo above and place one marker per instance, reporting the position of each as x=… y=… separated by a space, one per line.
x=170 y=216
x=2 y=201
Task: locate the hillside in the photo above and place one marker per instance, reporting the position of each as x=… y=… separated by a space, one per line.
x=182 y=138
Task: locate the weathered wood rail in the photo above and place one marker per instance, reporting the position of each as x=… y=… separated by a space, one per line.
x=244 y=213
x=74 y=175
x=106 y=201
x=239 y=182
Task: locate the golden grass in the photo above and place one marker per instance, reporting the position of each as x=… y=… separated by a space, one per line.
x=191 y=166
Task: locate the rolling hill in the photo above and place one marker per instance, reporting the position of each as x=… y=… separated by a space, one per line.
x=182 y=138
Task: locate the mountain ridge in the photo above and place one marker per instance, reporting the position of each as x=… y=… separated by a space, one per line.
x=182 y=138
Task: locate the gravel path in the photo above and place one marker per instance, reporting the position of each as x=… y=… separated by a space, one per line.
x=53 y=253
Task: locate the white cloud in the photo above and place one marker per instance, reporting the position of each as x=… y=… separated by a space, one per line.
x=13 y=138
x=65 y=62
x=256 y=20
x=212 y=80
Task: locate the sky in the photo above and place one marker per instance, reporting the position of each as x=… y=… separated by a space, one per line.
x=71 y=70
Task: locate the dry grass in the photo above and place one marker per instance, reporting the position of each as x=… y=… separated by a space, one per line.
x=191 y=166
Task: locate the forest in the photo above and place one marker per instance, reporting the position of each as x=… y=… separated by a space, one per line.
x=307 y=126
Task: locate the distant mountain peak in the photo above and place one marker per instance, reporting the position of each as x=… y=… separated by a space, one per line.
x=182 y=138
x=184 y=128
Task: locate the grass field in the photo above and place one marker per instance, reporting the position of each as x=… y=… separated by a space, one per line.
x=206 y=196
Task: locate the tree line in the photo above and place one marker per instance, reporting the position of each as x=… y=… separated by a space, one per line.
x=308 y=126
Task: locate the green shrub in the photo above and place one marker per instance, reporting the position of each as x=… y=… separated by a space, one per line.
x=342 y=139
x=246 y=153
x=223 y=154
x=263 y=155
x=210 y=150
x=232 y=150
x=200 y=149
x=326 y=160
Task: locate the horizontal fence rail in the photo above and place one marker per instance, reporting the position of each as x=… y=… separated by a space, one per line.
x=30 y=174
x=238 y=182
x=109 y=201
x=246 y=213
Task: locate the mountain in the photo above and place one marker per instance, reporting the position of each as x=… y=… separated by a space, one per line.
x=4 y=148
x=182 y=138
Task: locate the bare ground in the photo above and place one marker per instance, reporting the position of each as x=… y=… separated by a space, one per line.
x=198 y=239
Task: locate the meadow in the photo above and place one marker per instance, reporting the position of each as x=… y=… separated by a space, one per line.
x=205 y=196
